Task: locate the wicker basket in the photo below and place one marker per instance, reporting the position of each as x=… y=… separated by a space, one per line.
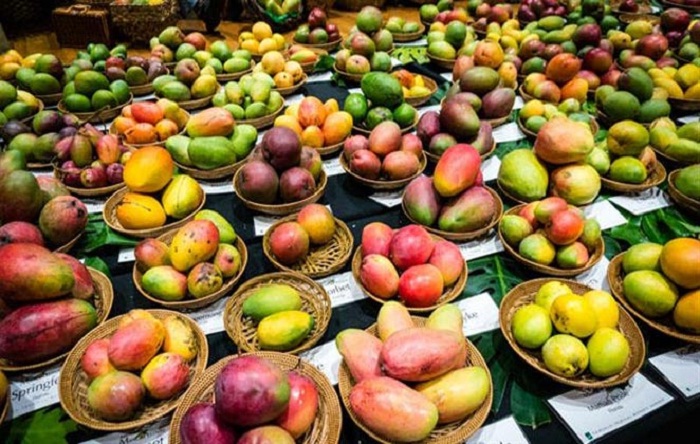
x=262 y=122
x=446 y=64
x=139 y=23
x=100 y=116
x=214 y=174
x=40 y=108
x=509 y=196
x=326 y=47
x=73 y=382
x=681 y=199
x=190 y=302
x=403 y=37
x=50 y=99
x=194 y=104
x=533 y=135
x=452 y=433
x=690 y=105
x=356 y=5
x=417 y=101
x=113 y=130
x=467 y=235
x=663 y=324
x=435 y=157
x=449 y=294
x=524 y=294
x=315 y=301
x=322 y=260
x=102 y=300
x=383 y=184
x=283 y=23
x=60 y=174
x=604 y=120
x=329 y=418
x=656 y=177
x=109 y=213
x=65 y=248
x=78 y=25
x=284 y=92
x=351 y=78
x=330 y=149
x=226 y=77
x=692 y=9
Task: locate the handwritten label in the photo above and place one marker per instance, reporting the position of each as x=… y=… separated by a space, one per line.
x=591 y=415
x=126 y=255
x=607 y=215
x=341 y=288
x=681 y=368
x=480 y=314
x=326 y=359
x=644 y=202
x=484 y=246
x=597 y=276
x=388 y=198
x=490 y=167
x=34 y=391
x=332 y=167
x=505 y=431
x=222 y=187
x=689 y=119
x=94 y=205
x=210 y=318
x=156 y=433
x=508 y=133
x=322 y=77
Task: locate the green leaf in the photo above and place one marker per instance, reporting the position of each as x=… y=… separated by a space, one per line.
x=98 y=234
x=631 y=232
x=653 y=230
x=41 y=427
x=98 y=264
x=338 y=80
x=324 y=63
x=500 y=378
x=528 y=408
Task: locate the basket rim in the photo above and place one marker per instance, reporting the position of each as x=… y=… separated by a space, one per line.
x=403 y=37
x=416 y=101
x=39 y=109
x=284 y=92
x=328 y=46
x=435 y=157
x=379 y=184
x=681 y=199
x=98 y=116
x=264 y=121
x=405 y=130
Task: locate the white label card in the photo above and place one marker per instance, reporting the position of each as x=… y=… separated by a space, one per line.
x=156 y=433
x=519 y=102
x=644 y=202
x=395 y=62
x=322 y=77
x=94 y=205
x=332 y=167
x=505 y=431
x=388 y=198
x=355 y=90
x=490 y=167
x=681 y=368
x=419 y=42
x=480 y=314
x=326 y=359
x=296 y=98
x=484 y=246
x=424 y=110
x=210 y=318
x=508 y=133
x=605 y=213
x=591 y=415
x=447 y=76
x=38 y=174
x=597 y=276
x=341 y=288
x=30 y=392
x=222 y=187
x=689 y=119
x=126 y=255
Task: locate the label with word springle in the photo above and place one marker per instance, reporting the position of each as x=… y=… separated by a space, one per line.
x=30 y=392
x=156 y=433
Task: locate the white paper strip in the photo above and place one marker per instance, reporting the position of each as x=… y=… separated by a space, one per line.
x=332 y=167
x=605 y=213
x=156 y=433
x=126 y=255
x=342 y=289
x=322 y=77
x=689 y=119
x=519 y=102
x=480 y=314
x=222 y=187
x=424 y=110
x=388 y=198
x=325 y=358
x=490 y=167
x=38 y=174
x=295 y=98
x=211 y=317
x=508 y=133
x=395 y=62
x=505 y=431
x=33 y=391
x=484 y=246
x=447 y=76
x=597 y=276
x=644 y=202
x=681 y=368
x=262 y=223
x=94 y=205
x=419 y=42
x=355 y=90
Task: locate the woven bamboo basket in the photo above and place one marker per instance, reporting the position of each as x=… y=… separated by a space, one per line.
x=485 y=155
x=654 y=178
x=689 y=8
x=139 y=22
x=255 y=12
x=315 y=301
x=226 y=77
x=533 y=135
x=282 y=209
x=524 y=293
x=550 y=270
x=65 y=248
x=681 y=199
x=73 y=382
x=264 y=121
x=449 y=294
x=292 y=89
x=40 y=108
x=362 y=129
x=690 y=105
x=109 y=213
x=85 y=192
x=604 y=120
x=327 y=47
x=194 y=104
x=38 y=165
x=102 y=301
x=50 y=99
x=644 y=8
x=352 y=78
x=322 y=260
x=383 y=184
x=329 y=418
x=113 y=130
x=671 y=162
x=417 y=101
x=663 y=324
x=99 y=116
x=466 y=235
x=452 y=433
x=403 y=37
x=527 y=97
x=190 y=302
x=446 y=64
x=330 y=149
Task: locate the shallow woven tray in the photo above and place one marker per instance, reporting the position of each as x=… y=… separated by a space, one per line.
x=102 y=116
x=262 y=122
x=283 y=209
x=328 y=46
x=73 y=382
x=402 y=37
x=330 y=149
x=355 y=78
x=684 y=104
x=466 y=235
x=193 y=104
x=550 y=270
x=190 y=302
x=50 y=99
x=109 y=213
x=420 y=100
x=448 y=295
x=142 y=90
x=315 y=301
x=383 y=184
x=671 y=161
x=663 y=324
x=322 y=260
x=593 y=124
x=65 y=248
x=213 y=174
x=626 y=17
x=497 y=121
x=524 y=293
x=363 y=130
x=329 y=418
x=102 y=301
x=228 y=76
x=292 y=89
x=691 y=9
x=58 y=173
x=453 y=433
x=39 y=109
x=285 y=53
x=681 y=199
x=654 y=178
x=435 y=157
x=447 y=64
x=527 y=97
x=113 y=130
x=603 y=118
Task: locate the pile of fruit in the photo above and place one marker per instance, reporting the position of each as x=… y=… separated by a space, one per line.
x=285 y=73
x=135 y=70
x=167 y=44
x=535 y=113
x=559 y=82
x=384 y=155
x=37 y=140
x=304 y=56
x=480 y=86
x=413 y=85
x=497 y=13
x=16 y=104
x=194 y=264
x=313 y=226
x=52 y=297
x=444 y=11
x=486 y=54
x=532 y=10
x=558 y=321
x=260 y=39
x=317 y=29
x=627 y=155
x=288 y=406
x=634 y=98
x=318 y=124
x=409 y=379
x=454 y=199
x=662 y=281
x=408 y=263
x=567 y=238
x=280 y=170
x=153 y=192
x=188 y=82
x=251 y=97
x=681 y=144
x=367 y=47
x=149 y=123
x=91 y=91
x=381 y=99
x=44 y=75
x=447 y=41
x=145 y=359
x=398 y=25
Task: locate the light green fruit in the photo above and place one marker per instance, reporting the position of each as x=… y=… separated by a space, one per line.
x=549 y=292
x=531 y=326
x=565 y=355
x=608 y=351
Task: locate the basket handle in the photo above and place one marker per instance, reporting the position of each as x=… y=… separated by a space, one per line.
x=76 y=9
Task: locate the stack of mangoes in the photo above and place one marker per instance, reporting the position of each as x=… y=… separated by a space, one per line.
x=634 y=97
x=154 y=192
x=284 y=73
x=381 y=100
x=52 y=297
x=681 y=83
x=167 y=45
x=318 y=124
x=16 y=104
x=558 y=321
x=408 y=380
x=454 y=199
x=535 y=113
x=289 y=402
x=480 y=86
x=235 y=61
x=145 y=358
x=10 y=62
x=187 y=82
x=360 y=54
x=440 y=130
x=91 y=90
x=559 y=82
x=661 y=281
x=43 y=76
x=196 y=262
x=251 y=97
x=290 y=241
x=681 y=144
x=492 y=15
x=260 y=39
x=399 y=25
x=689 y=47
x=550 y=231
x=444 y=11
x=135 y=70
x=413 y=85
x=448 y=40
x=37 y=139
x=317 y=29
x=150 y=122
x=489 y=54
x=212 y=141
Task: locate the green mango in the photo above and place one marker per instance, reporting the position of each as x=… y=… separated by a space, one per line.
x=227 y=235
x=270 y=299
x=211 y=152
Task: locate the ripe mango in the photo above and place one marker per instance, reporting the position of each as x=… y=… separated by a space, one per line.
x=284 y=330
x=446 y=317
x=132 y=346
x=650 y=292
x=361 y=352
x=471 y=210
x=164 y=282
x=421 y=200
x=210 y=122
x=211 y=152
x=138 y=211
x=165 y=375
x=195 y=242
x=179 y=338
x=227 y=234
x=31 y=273
x=116 y=396
x=204 y=279
x=457 y=393
x=456 y=170
x=392 y=317
x=182 y=196
x=523 y=176
x=271 y=299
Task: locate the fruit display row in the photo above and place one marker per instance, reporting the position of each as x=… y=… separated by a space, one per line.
x=251 y=97
x=320 y=125
x=149 y=123
x=17 y=104
x=318 y=31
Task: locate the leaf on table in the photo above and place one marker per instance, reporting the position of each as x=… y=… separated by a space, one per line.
x=528 y=408
x=408 y=54
x=43 y=426
x=589 y=107
x=339 y=81
x=493 y=274
x=678 y=222
x=98 y=234
x=653 y=230
x=631 y=232
x=324 y=63
x=98 y=264
x=612 y=247
x=504 y=148
x=500 y=378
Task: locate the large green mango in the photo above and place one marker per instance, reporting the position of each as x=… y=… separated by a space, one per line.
x=207 y=153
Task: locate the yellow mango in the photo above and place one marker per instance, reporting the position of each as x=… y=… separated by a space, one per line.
x=179 y=338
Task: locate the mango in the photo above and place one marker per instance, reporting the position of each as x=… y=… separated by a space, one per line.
x=149 y=169
x=484 y=138
x=32 y=273
x=457 y=393
x=421 y=200
x=204 y=279
x=628 y=170
x=207 y=153
x=138 y=211
x=116 y=396
x=577 y=184
x=537 y=248
x=361 y=352
x=164 y=282
x=392 y=317
x=228 y=260
x=177 y=146
x=20 y=197
x=456 y=170
x=562 y=141
x=182 y=196
x=132 y=346
x=420 y=354
x=653 y=109
x=35 y=332
x=179 y=338
x=446 y=317
x=194 y=242
x=471 y=210
x=284 y=330
x=635 y=80
x=95 y=361
x=227 y=234
x=627 y=138
x=498 y=103
x=270 y=299
x=266 y=434
x=479 y=80
x=210 y=122
x=687 y=181
x=165 y=375
x=393 y=410
x=684 y=150
x=690 y=131
x=523 y=176
x=650 y=292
